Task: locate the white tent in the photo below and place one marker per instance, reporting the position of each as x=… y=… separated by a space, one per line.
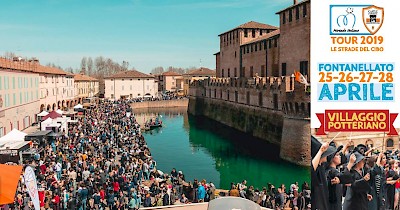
x=13 y=136
x=79 y=106
x=42 y=114
x=59 y=111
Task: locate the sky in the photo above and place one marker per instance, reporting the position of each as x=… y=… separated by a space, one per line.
x=146 y=33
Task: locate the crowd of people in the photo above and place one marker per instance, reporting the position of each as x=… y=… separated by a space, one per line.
x=103 y=162
x=361 y=178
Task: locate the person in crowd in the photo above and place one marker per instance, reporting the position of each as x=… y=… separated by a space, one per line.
x=357 y=194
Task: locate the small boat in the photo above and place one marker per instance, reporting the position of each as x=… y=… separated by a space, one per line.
x=152 y=124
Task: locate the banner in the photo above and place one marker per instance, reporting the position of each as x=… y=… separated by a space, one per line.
x=354 y=58
x=31 y=186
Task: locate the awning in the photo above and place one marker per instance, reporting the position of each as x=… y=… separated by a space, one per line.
x=79 y=106
x=14 y=135
x=42 y=114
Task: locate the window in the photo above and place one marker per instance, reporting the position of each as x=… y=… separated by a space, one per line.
x=389 y=143
x=245 y=32
x=251 y=46
x=235 y=54
x=304 y=10
x=235 y=72
x=14 y=99
x=253 y=33
x=283 y=17
x=260 y=46
x=265 y=45
x=276 y=43
x=20 y=98
x=290 y=15
x=261 y=32
x=283 y=69
x=269 y=43
x=304 y=68
x=251 y=71
x=13 y=82
x=222 y=73
x=229 y=72
x=255 y=47
x=2 y=131
x=247 y=48
x=263 y=73
x=297 y=12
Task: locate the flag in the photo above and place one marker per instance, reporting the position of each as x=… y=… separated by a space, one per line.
x=31 y=186
x=300 y=78
x=9 y=177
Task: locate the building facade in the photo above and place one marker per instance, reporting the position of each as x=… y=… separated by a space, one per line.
x=230 y=61
x=56 y=88
x=198 y=74
x=294 y=45
x=85 y=86
x=130 y=84
x=19 y=95
x=170 y=81
x=256 y=49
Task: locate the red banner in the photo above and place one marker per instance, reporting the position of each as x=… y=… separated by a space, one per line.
x=357 y=121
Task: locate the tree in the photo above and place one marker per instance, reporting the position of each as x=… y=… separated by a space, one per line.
x=83 y=65
x=9 y=55
x=157 y=70
x=89 y=65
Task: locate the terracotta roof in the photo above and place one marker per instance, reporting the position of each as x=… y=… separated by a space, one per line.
x=293 y=5
x=50 y=70
x=82 y=77
x=18 y=65
x=251 y=25
x=171 y=73
x=202 y=71
x=266 y=36
x=130 y=74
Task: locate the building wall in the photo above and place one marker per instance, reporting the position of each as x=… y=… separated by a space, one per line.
x=229 y=53
x=19 y=100
x=274 y=109
x=172 y=83
x=295 y=40
x=55 y=91
x=187 y=79
x=229 y=57
x=86 y=89
x=130 y=87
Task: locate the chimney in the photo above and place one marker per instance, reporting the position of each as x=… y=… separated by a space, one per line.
x=294 y=2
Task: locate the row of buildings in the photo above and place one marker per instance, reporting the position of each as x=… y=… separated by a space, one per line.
x=134 y=84
x=27 y=88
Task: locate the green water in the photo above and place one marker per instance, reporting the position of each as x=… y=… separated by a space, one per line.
x=204 y=149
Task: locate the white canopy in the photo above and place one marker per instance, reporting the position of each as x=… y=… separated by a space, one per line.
x=13 y=136
x=43 y=113
x=59 y=111
x=47 y=121
x=79 y=106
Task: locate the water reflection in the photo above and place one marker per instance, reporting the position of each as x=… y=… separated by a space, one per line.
x=202 y=148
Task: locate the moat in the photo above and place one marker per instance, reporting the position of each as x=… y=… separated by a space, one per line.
x=203 y=148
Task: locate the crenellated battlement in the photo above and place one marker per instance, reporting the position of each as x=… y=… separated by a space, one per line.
x=275 y=93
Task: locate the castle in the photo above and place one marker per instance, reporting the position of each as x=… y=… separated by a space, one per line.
x=255 y=90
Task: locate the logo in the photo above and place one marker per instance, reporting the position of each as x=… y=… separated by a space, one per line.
x=346 y=19
x=373 y=18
